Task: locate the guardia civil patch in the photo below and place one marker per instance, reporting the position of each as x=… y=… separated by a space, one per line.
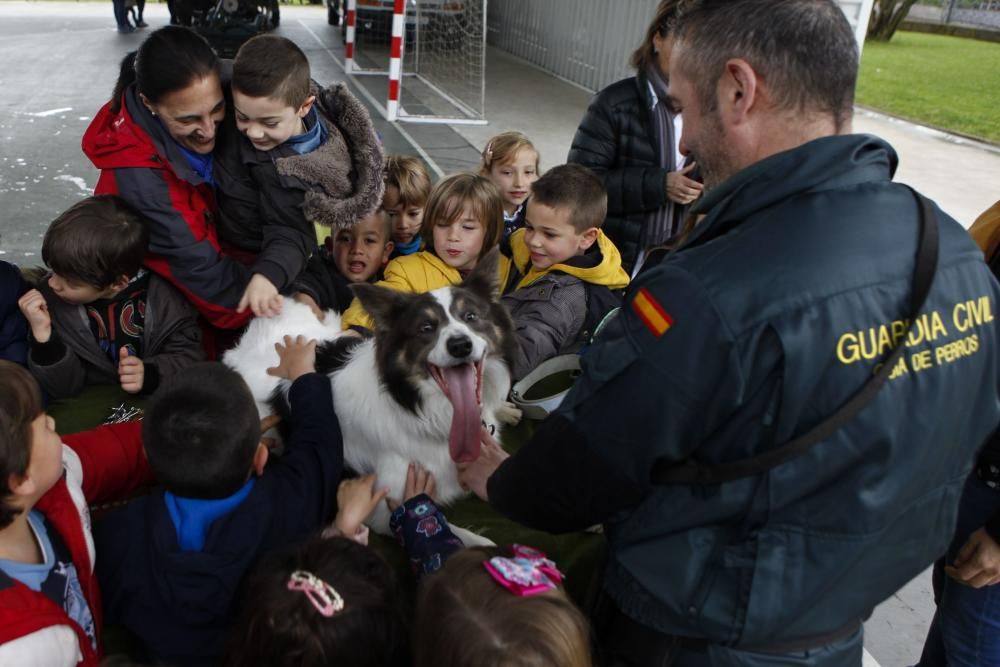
x=649 y=310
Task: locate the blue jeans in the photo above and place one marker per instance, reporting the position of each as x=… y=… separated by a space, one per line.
x=120 y=18
x=965 y=631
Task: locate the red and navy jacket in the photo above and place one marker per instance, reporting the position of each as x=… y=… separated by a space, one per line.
x=143 y=165
x=102 y=465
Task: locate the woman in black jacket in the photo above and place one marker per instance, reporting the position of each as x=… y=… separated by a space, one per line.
x=629 y=137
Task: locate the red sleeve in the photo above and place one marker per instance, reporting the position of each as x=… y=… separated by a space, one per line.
x=114 y=463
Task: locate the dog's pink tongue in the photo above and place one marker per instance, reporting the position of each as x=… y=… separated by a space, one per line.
x=463 y=440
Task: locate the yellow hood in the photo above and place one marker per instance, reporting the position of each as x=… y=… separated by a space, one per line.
x=422 y=271
x=608 y=272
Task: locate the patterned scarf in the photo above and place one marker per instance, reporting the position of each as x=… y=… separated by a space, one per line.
x=662 y=222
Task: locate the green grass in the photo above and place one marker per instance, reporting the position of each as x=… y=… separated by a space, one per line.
x=946 y=82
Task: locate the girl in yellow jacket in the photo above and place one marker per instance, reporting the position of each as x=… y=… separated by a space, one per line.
x=462 y=222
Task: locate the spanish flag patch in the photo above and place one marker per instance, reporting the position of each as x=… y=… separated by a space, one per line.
x=649 y=310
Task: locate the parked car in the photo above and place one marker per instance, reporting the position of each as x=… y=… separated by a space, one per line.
x=375 y=16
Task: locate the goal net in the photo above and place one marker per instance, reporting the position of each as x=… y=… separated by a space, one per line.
x=432 y=53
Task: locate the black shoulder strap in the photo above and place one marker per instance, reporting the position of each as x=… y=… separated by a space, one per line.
x=692 y=472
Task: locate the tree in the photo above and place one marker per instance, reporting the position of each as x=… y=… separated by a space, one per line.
x=886 y=17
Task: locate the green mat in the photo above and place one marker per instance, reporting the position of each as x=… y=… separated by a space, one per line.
x=578 y=555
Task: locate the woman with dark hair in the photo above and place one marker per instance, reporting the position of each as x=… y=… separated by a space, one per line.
x=630 y=138
x=153 y=143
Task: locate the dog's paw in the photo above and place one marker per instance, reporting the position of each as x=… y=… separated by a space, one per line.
x=508 y=413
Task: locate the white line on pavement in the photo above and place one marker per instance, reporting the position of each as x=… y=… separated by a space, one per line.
x=868 y=661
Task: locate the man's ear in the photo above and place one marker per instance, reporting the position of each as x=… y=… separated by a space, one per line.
x=381 y=303
x=306 y=106
x=588 y=238
x=738 y=90
x=484 y=279
x=260 y=458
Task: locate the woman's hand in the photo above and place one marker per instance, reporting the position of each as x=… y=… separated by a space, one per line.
x=262 y=297
x=302 y=297
x=680 y=188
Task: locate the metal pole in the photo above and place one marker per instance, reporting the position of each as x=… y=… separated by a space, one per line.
x=352 y=15
x=948 y=12
x=395 y=59
x=482 y=71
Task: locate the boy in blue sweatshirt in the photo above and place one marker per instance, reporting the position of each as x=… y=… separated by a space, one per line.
x=170 y=563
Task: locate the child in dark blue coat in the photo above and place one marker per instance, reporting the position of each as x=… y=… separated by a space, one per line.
x=13 y=326
x=170 y=563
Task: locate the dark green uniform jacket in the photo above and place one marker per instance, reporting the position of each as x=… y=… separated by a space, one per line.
x=776 y=311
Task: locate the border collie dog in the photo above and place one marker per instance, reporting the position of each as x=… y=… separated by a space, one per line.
x=435 y=373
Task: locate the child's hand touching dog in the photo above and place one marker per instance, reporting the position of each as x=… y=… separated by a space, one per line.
x=261 y=296
x=356 y=500
x=295 y=358
x=418 y=480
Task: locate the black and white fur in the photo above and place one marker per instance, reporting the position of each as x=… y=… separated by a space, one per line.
x=392 y=407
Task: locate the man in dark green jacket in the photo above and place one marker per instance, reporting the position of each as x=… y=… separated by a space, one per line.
x=787 y=298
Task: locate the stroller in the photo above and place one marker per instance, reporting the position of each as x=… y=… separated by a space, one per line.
x=226 y=24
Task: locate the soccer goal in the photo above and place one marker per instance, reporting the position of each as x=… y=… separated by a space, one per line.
x=432 y=53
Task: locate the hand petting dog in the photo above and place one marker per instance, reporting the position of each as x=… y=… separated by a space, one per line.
x=356 y=500
x=295 y=358
x=418 y=480
x=474 y=476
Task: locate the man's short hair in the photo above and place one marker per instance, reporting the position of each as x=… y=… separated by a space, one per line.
x=272 y=66
x=574 y=187
x=804 y=49
x=201 y=431
x=95 y=241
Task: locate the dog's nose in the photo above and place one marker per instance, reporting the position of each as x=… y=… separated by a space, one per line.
x=459 y=346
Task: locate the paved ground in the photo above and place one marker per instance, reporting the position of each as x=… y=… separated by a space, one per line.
x=61 y=59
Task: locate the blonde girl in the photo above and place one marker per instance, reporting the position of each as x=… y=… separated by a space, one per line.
x=462 y=222
x=510 y=160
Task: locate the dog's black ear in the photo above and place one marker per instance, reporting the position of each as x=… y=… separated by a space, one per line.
x=484 y=279
x=382 y=303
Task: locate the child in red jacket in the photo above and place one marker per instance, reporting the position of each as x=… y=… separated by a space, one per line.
x=49 y=605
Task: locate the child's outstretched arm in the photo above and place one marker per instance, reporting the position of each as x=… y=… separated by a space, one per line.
x=113 y=464
x=420 y=526
x=305 y=479
x=57 y=368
